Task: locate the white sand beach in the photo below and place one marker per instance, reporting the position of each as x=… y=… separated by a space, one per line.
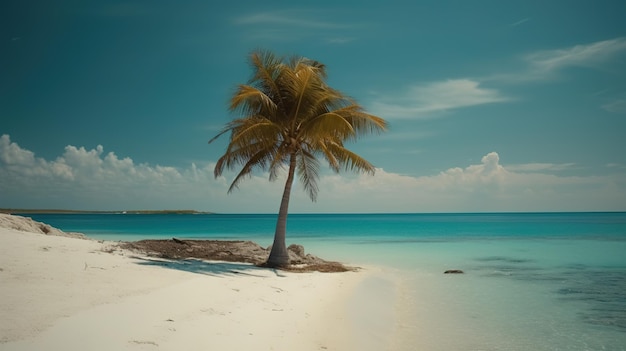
x=59 y=292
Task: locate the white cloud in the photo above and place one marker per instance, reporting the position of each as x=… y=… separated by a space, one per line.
x=426 y=99
x=616 y=165
x=536 y=167
x=20 y=161
x=91 y=179
x=617 y=106
x=587 y=55
x=545 y=64
x=339 y=40
x=432 y=99
x=291 y=18
x=520 y=22
x=295 y=24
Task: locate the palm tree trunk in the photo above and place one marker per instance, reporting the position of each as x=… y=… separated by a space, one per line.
x=279 y=257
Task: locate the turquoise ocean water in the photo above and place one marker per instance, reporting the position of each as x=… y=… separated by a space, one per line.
x=533 y=281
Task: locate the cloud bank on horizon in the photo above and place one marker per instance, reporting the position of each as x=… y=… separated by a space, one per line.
x=94 y=179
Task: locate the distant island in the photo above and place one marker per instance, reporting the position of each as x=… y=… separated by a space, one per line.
x=60 y=211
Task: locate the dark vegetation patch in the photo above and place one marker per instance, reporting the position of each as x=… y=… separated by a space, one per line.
x=231 y=251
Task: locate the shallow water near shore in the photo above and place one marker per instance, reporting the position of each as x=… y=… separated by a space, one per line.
x=533 y=281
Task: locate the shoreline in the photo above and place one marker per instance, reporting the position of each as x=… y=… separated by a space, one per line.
x=70 y=293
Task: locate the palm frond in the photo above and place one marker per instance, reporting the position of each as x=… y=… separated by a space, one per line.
x=280 y=158
x=222 y=132
x=365 y=123
x=255 y=130
x=305 y=89
x=267 y=69
x=350 y=160
x=333 y=162
x=297 y=62
x=252 y=101
x=308 y=171
x=258 y=160
x=329 y=124
x=238 y=156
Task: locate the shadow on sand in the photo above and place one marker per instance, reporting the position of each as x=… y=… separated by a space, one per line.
x=213 y=268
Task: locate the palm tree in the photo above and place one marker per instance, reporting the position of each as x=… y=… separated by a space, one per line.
x=289 y=118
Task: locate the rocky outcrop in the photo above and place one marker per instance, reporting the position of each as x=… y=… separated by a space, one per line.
x=453 y=271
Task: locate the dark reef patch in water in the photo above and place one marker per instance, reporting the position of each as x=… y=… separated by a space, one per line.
x=499 y=266
x=606 y=318
x=600 y=291
x=604 y=291
x=503 y=259
x=521 y=273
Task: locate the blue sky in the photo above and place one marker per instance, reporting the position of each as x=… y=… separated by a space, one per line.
x=492 y=105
